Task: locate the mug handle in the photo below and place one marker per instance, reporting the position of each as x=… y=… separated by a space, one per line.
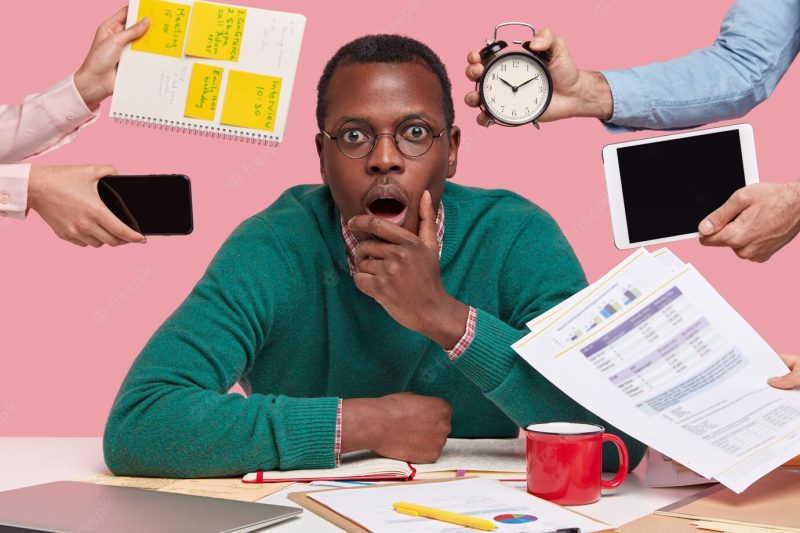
x=623 y=462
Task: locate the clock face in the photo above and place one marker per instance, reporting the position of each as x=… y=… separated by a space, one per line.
x=515 y=88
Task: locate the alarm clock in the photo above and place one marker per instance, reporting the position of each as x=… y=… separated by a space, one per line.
x=516 y=86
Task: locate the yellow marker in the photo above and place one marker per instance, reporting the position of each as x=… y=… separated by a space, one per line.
x=167 y=32
x=201 y=102
x=251 y=100
x=216 y=31
x=412 y=509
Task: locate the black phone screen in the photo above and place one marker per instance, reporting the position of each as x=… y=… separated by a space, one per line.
x=668 y=187
x=152 y=204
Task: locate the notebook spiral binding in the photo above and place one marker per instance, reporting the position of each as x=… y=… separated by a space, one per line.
x=216 y=132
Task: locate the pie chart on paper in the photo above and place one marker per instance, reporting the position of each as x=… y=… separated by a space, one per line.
x=515 y=518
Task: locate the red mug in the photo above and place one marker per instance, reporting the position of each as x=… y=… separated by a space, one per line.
x=565 y=462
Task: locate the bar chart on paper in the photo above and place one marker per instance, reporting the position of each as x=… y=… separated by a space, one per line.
x=614 y=299
x=640 y=354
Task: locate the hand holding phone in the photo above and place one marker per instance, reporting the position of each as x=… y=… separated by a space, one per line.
x=67 y=199
x=155 y=204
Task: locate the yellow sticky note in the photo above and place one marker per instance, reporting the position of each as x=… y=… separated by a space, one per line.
x=216 y=31
x=204 y=85
x=167 y=32
x=251 y=100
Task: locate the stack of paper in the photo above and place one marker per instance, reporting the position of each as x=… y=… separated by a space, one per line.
x=769 y=506
x=652 y=348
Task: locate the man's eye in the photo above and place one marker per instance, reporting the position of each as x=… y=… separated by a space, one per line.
x=416 y=132
x=355 y=136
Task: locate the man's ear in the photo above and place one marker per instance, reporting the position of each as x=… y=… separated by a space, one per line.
x=318 y=142
x=452 y=159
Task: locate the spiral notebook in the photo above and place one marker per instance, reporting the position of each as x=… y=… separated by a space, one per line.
x=208 y=68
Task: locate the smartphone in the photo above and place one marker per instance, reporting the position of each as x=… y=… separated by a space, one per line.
x=155 y=204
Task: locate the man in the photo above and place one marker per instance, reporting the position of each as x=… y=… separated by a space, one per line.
x=755 y=48
x=374 y=312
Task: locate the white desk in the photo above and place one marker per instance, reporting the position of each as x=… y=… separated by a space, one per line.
x=28 y=461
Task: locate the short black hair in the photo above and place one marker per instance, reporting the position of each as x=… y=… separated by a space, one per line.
x=385 y=48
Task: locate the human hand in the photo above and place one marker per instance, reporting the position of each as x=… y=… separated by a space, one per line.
x=756 y=221
x=576 y=93
x=401 y=272
x=95 y=78
x=403 y=426
x=66 y=198
x=790 y=380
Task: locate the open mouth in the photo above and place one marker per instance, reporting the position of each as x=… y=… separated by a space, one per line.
x=386 y=207
x=388 y=204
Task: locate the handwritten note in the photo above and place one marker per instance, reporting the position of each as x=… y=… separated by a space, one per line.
x=168 y=24
x=204 y=86
x=216 y=31
x=251 y=100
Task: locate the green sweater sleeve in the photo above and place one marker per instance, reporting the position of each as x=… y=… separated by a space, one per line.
x=540 y=270
x=174 y=417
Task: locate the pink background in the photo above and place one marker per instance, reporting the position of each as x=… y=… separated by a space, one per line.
x=72 y=320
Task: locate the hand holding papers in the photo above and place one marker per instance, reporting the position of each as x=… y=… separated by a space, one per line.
x=653 y=349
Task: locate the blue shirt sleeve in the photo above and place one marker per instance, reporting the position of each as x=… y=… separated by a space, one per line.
x=756 y=45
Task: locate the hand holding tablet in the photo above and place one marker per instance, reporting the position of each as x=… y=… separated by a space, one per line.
x=661 y=188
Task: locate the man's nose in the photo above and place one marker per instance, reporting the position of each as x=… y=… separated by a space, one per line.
x=385 y=157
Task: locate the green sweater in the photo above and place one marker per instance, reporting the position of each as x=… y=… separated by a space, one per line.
x=278 y=312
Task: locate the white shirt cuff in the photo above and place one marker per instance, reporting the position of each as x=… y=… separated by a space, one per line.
x=14 y=190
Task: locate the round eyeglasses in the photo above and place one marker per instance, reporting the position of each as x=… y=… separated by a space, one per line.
x=356 y=139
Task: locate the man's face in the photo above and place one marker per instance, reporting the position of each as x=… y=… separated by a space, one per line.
x=386 y=183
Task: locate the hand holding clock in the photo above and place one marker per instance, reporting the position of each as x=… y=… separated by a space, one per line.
x=576 y=93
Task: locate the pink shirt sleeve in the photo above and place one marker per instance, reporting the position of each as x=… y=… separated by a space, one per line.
x=337 y=442
x=42 y=123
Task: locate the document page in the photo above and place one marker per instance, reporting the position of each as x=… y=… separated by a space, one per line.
x=509 y=509
x=665 y=359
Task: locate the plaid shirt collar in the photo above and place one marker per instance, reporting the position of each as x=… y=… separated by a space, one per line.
x=350 y=241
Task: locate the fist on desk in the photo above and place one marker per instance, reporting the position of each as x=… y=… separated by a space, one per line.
x=403 y=426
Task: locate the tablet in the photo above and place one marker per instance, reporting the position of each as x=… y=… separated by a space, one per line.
x=661 y=188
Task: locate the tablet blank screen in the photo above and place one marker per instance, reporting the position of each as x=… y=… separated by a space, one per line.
x=670 y=186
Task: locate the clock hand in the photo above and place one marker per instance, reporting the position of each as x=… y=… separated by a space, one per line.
x=523 y=83
x=514 y=89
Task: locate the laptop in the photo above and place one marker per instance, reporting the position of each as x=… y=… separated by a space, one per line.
x=78 y=506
